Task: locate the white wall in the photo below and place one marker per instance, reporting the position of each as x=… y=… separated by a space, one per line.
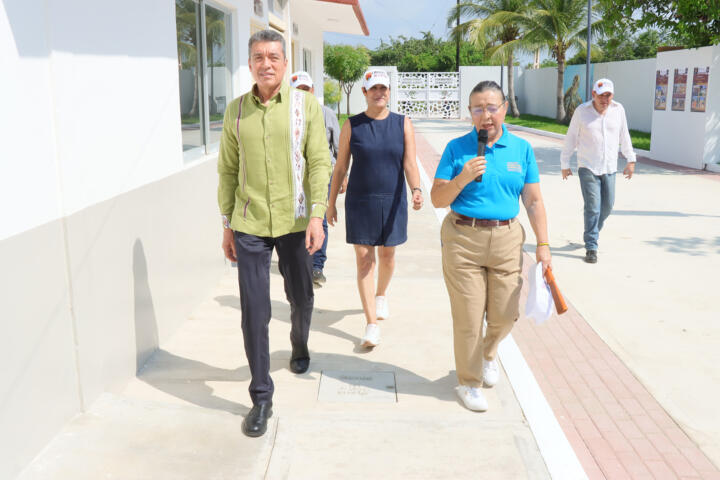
x=471 y=76
x=27 y=120
x=712 y=125
x=536 y=92
x=687 y=138
x=634 y=87
x=99 y=208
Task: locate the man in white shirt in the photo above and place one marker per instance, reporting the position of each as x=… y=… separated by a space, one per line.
x=596 y=130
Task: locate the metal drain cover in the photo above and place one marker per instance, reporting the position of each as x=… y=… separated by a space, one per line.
x=364 y=387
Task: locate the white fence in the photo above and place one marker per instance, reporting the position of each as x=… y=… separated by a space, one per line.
x=429 y=95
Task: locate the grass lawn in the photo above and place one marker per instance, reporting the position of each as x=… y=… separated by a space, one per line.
x=196 y=119
x=639 y=139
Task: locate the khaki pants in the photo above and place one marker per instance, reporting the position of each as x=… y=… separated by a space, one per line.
x=482 y=267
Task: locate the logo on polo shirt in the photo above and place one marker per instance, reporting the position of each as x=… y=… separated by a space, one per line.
x=514 y=167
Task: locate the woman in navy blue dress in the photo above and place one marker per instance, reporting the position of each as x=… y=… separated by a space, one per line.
x=382 y=145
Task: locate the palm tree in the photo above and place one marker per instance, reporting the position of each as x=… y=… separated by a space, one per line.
x=215 y=33
x=559 y=25
x=186 y=22
x=496 y=27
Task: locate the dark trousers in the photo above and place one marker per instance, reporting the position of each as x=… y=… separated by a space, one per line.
x=253 y=255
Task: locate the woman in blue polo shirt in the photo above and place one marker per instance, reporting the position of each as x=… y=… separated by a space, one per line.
x=482 y=239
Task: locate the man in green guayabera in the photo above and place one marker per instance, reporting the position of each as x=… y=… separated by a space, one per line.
x=274 y=168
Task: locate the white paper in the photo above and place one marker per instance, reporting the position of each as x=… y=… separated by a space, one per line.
x=539 y=305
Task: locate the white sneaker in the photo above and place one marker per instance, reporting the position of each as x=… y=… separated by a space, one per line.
x=491 y=372
x=473 y=398
x=382 y=311
x=372 y=335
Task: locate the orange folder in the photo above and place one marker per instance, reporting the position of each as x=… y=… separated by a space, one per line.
x=560 y=304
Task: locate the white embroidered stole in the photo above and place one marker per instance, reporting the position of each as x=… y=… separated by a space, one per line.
x=297 y=132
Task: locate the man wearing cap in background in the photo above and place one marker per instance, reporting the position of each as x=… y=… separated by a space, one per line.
x=303 y=81
x=596 y=130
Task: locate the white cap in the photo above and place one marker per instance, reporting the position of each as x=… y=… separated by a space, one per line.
x=375 y=77
x=301 y=78
x=604 y=85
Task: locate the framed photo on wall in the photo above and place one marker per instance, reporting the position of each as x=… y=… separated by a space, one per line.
x=698 y=96
x=661 y=89
x=679 y=89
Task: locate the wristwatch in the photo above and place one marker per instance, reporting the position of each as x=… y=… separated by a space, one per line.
x=417 y=188
x=225 y=221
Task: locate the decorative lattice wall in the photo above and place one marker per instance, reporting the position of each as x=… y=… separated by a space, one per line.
x=429 y=95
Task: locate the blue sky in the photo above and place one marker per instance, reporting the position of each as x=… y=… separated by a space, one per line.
x=392 y=18
x=386 y=18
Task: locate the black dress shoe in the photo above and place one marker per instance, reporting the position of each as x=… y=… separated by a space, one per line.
x=299 y=365
x=591 y=256
x=299 y=360
x=255 y=423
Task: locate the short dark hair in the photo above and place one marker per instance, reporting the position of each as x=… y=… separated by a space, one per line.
x=266 y=36
x=487 y=85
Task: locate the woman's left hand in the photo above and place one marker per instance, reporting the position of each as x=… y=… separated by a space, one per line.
x=417 y=200
x=542 y=254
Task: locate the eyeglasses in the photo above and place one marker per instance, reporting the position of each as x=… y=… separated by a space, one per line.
x=491 y=109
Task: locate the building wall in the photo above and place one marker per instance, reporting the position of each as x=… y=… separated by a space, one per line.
x=110 y=236
x=684 y=137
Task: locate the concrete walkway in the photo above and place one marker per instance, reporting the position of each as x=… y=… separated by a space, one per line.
x=180 y=419
x=630 y=372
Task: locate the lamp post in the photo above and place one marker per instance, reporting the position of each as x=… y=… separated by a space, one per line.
x=587 y=60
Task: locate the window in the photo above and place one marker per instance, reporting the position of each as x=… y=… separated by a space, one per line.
x=258 y=8
x=307 y=60
x=203 y=42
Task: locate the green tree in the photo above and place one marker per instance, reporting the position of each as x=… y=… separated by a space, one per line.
x=346 y=64
x=494 y=26
x=690 y=23
x=647 y=43
x=621 y=45
x=186 y=23
x=426 y=54
x=331 y=93
x=215 y=33
x=559 y=26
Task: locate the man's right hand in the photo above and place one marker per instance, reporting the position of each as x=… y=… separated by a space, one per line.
x=228 y=244
x=566 y=172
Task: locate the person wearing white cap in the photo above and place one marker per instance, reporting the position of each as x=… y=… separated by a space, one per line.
x=382 y=145
x=303 y=81
x=596 y=130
